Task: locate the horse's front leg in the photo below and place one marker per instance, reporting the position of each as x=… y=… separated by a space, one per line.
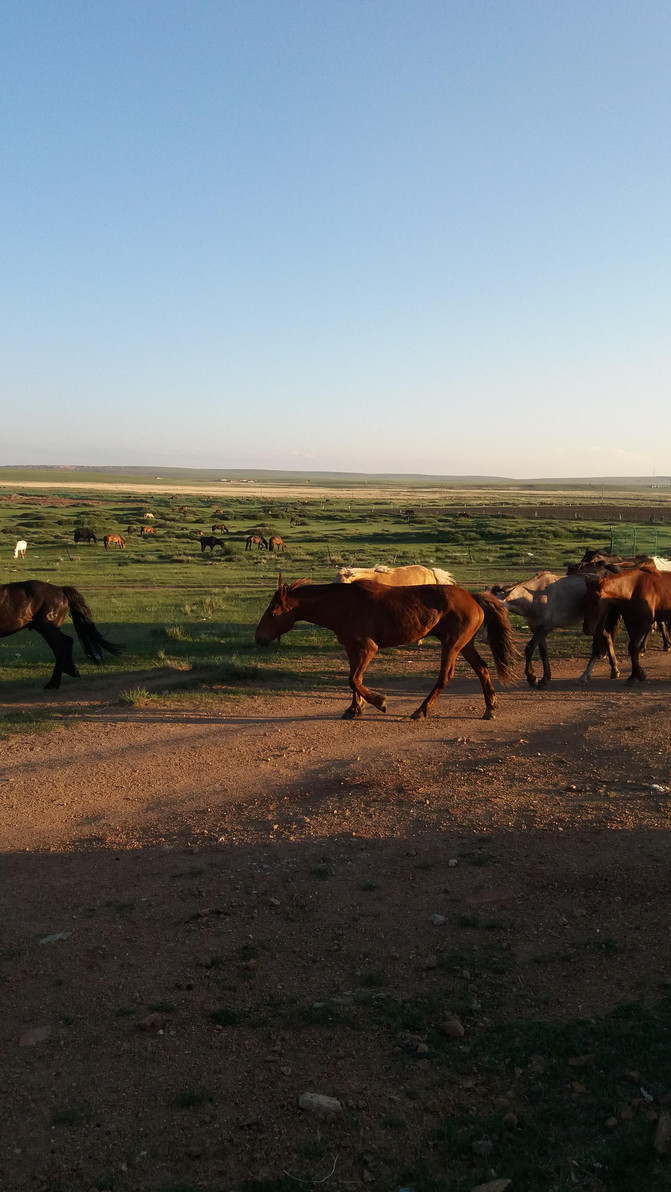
x=360 y=654
x=666 y=644
x=448 y=657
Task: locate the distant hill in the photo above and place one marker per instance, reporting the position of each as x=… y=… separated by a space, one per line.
x=49 y=472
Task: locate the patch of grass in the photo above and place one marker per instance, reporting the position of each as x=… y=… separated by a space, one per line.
x=191 y=1098
x=124 y=1012
x=123 y=909
x=225 y=1016
x=135 y=697
x=163 y=1007
x=581 y=1124
x=477 y=857
x=373 y=979
x=74 y=1115
x=106 y=1182
x=368 y=886
x=315 y=1148
x=11 y=953
x=322 y=870
x=25 y=721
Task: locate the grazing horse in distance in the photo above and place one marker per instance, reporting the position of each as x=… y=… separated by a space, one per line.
x=256 y=540
x=395 y=576
x=221 y=527
x=144 y=530
x=113 y=540
x=20 y=548
x=43 y=607
x=547 y=602
x=367 y=616
x=641 y=596
x=277 y=543
x=84 y=534
x=150 y=516
x=210 y=541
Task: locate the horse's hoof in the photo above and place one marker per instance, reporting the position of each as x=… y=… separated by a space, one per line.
x=532 y=680
x=383 y=706
x=542 y=685
x=419 y=714
x=488 y=714
x=51 y=686
x=615 y=675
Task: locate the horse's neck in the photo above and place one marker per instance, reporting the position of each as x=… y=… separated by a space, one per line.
x=315 y=603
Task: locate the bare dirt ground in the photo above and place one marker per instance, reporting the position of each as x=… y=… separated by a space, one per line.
x=240 y=888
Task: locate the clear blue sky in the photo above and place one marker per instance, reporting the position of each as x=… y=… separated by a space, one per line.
x=337 y=234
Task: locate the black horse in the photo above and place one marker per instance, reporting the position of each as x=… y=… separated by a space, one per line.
x=210 y=541
x=83 y=534
x=43 y=607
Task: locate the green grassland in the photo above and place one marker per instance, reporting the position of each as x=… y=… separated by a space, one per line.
x=191 y=614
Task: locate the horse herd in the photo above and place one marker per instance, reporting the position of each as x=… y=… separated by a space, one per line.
x=370 y=609
x=378 y=610
x=207 y=541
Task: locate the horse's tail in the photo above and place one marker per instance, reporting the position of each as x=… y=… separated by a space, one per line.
x=442 y=577
x=92 y=641
x=499 y=635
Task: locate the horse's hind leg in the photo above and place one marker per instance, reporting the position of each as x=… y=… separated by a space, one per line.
x=528 y=656
x=545 y=659
x=359 y=656
x=481 y=669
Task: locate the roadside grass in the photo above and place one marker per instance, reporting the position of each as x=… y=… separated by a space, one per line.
x=26 y=720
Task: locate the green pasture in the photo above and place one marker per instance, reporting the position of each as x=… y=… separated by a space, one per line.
x=192 y=615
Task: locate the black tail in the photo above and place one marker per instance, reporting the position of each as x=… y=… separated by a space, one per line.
x=93 y=643
x=499 y=635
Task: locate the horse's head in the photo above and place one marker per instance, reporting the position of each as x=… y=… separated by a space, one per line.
x=280 y=615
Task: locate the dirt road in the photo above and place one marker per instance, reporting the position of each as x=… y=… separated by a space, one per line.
x=243 y=872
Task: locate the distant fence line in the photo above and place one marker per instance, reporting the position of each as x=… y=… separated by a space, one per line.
x=608 y=513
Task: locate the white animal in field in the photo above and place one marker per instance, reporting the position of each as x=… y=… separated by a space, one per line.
x=547 y=602
x=150 y=515
x=20 y=548
x=394 y=577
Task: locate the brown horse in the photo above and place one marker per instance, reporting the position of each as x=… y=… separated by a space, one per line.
x=256 y=540
x=144 y=530
x=114 y=540
x=642 y=596
x=277 y=543
x=221 y=527
x=43 y=607
x=367 y=616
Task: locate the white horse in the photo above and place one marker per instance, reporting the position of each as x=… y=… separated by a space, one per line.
x=395 y=577
x=547 y=602
x=20 y=548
